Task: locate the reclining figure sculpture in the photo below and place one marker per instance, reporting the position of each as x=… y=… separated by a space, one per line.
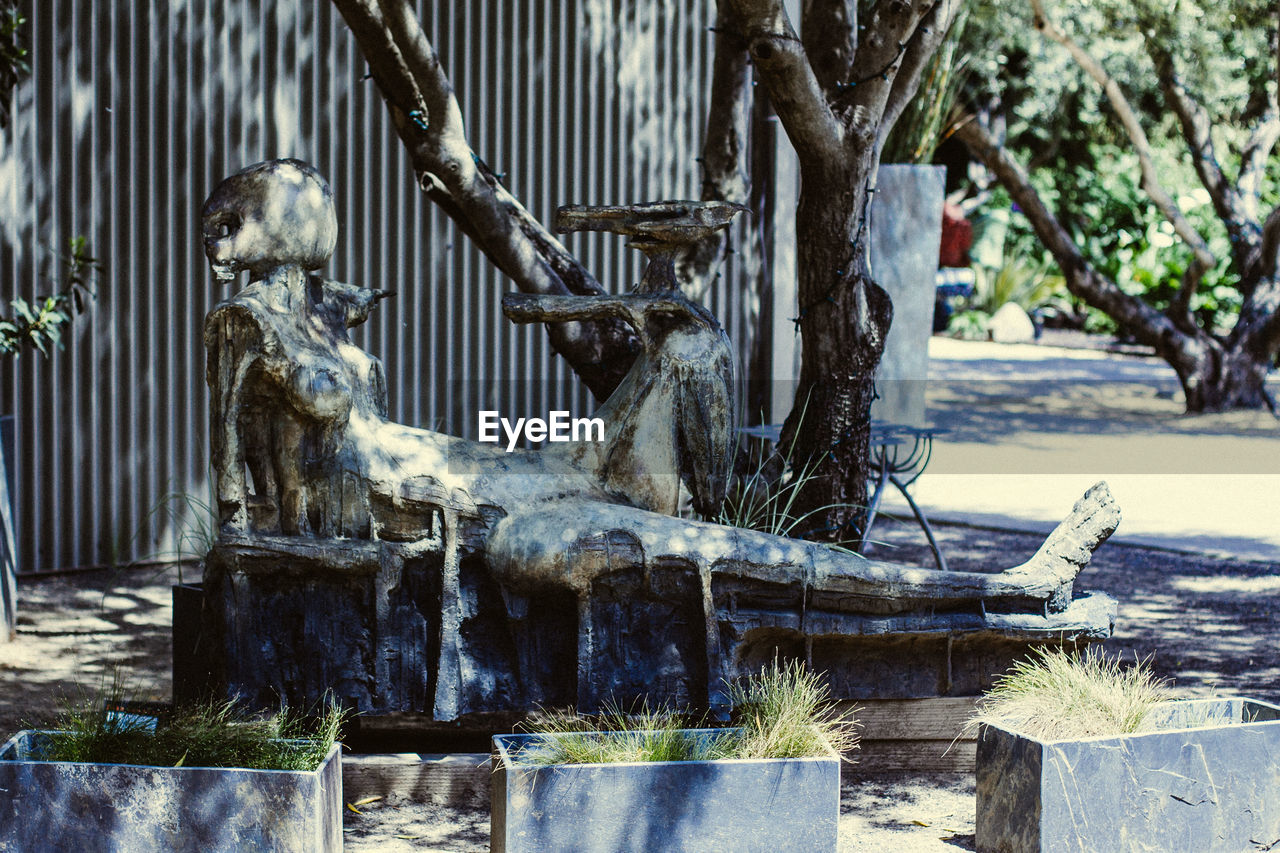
x=408 y=570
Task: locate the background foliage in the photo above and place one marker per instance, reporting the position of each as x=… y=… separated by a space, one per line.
x=1058 y=122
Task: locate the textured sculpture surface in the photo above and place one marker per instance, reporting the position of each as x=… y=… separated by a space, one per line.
x=414 y=571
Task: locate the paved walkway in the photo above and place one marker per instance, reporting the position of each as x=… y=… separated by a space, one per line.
x=1031 y=427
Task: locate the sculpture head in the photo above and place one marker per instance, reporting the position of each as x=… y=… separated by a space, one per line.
x=270 y=215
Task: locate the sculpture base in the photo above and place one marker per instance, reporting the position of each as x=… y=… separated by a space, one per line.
x=388 y=628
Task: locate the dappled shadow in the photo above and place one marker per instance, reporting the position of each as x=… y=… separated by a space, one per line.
x=934 y=806
x=973 y=409
x=1208 y=624
x=77 y=630
x=394 y=824
x=1046 y=393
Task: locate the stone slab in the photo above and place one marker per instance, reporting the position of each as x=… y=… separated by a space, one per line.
x=775 y=804
x=1212 y=787
x=85 y=808
x=906 y=232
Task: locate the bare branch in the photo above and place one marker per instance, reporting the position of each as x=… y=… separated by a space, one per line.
x=829 y=30
x=1148 y=324
x=922 y=45
x=1257 y=331
x=1196 y=130
x=795 y=93
x=880 y=56
x=1180 y=306
x=1256 y=152
x=443 y=117
x=1254 y=156
x=426 y=115
x=724 y=148
x=724 y=169
x=1137 y=136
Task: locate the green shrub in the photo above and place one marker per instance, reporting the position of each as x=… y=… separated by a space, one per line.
x=1057 y=694
x=39 y=324
x=213 y=734
x=783 y=712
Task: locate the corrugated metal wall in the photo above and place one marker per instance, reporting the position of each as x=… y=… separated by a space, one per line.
x=135 y=110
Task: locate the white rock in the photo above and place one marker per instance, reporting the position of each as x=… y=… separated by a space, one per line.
x=1011 y=325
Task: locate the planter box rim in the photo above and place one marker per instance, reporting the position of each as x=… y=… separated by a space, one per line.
x=500 y=746
x=1208 y=700
x=11 y=745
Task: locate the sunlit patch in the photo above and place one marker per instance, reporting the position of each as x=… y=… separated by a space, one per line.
x=1267 y=583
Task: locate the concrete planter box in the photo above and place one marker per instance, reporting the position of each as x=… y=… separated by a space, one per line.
x=1213 y=786
x=773 y=805
x=47 y=805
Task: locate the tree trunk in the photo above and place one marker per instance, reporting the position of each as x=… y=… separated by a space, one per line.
x=1226 y=379
x=844 y=317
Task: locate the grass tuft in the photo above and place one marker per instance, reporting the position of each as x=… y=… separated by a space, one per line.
x=214 y=734
x=1056 y=695
x=615 y=736
x=784 y=712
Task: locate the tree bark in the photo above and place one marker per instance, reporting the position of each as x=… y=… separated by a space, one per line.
x=836 y=90
x=844 y=319
x=425 y=112
x=1215 y=374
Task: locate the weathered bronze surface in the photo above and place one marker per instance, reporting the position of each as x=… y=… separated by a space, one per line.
x=408 y=570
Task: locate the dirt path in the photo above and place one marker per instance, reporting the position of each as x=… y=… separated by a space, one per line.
x=1208 y=624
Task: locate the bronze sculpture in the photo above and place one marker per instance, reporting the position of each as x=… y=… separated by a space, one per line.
x=416 y=571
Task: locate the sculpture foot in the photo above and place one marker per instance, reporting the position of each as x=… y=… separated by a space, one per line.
x=1069 y=548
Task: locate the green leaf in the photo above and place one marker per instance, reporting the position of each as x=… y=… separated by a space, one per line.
x=23 y=310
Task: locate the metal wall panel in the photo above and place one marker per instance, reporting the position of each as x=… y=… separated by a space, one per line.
x=136 y=109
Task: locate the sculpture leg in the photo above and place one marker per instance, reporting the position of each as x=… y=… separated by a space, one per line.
x=293 y=518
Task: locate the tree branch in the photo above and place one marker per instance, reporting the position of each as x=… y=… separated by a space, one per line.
x=425 y=113
x=1256 y=152
x=795 y=93
x=829 y=30
x=1257 y=331
x=444 y=118
x=1254 y=156
x=1175 y=344
x=1203 y=258
x=1262 y=265
x=879 y=60
x=1269 y=246
x=1196 y=130
x=724 y=148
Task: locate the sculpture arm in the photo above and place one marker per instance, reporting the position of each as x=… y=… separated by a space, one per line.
x=569 y=543
x=630 y=308
x=233 y=341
